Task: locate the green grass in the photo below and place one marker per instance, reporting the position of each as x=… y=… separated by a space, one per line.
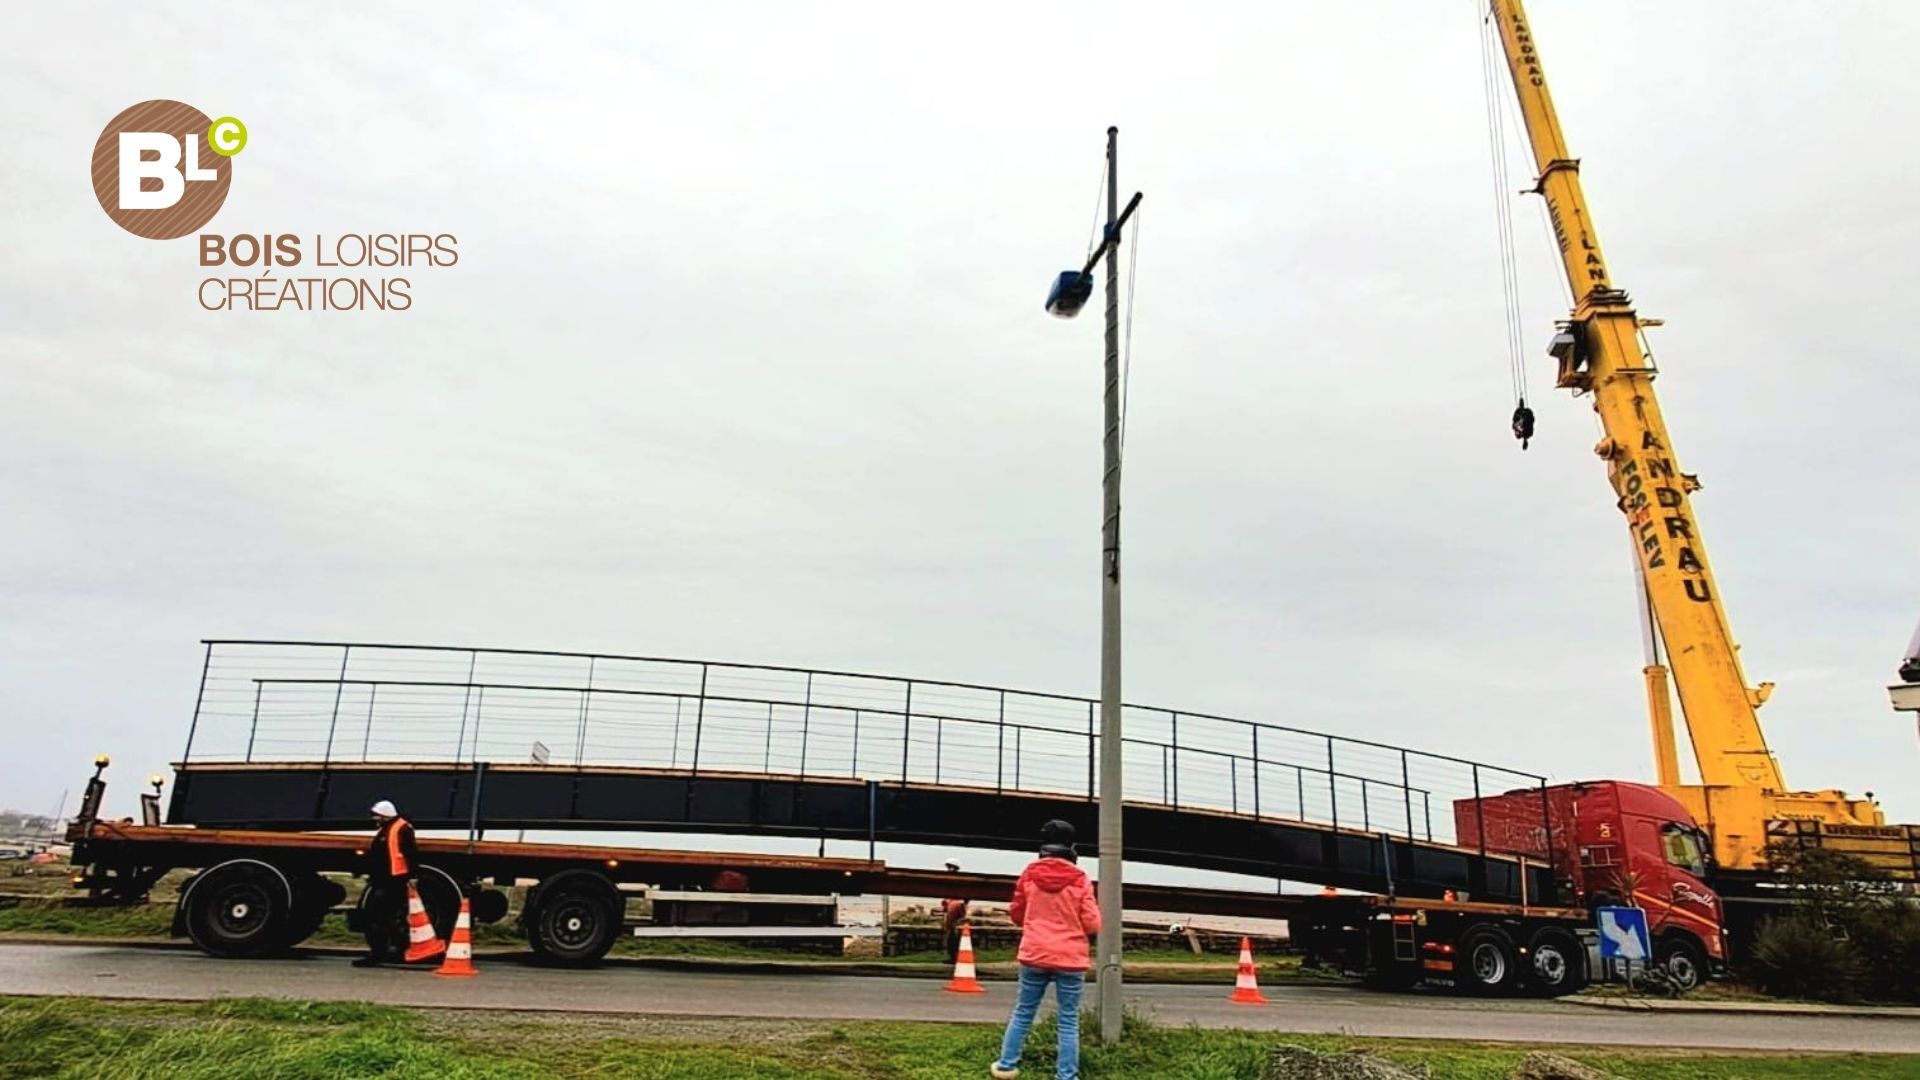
x=144 y=921
x=296 y=1040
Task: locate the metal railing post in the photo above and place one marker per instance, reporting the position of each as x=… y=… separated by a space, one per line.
x=366 y=733
x=1366 y=814
x=1000 y=747
x=1546 y=821
x=806 y=722
x=1406 y=790
x=854 y=770
x=1300 y=788
x=586 y=705
x=1479 y=812
x=699 y=719
x=1426 y=811
x=1256 y=773
x=1333 y=784
x=339 y=685
x=766 y=757
x=1092 y=749
x=1233 y=779
x=906 y=733
x=460 y=740
x=1176 y=761
x=200 y=696
x=678 y=701
x=254 y=729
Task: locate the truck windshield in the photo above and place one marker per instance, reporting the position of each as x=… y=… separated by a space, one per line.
x=1684 y=849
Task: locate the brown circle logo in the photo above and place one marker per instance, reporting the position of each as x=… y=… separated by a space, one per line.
x=162 y=169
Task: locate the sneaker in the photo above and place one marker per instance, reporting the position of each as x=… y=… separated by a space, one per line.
x=994 y=1070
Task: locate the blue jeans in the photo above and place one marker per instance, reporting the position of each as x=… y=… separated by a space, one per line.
x=1066 y=994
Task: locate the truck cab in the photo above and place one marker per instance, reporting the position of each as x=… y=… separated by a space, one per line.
x=1613 y=842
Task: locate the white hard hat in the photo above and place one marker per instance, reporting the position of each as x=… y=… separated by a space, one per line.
x=383 y=808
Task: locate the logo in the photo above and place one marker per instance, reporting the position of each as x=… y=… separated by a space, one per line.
x=161 y=169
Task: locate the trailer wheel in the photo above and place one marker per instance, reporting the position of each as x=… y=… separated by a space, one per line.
x=1557 y=964
x=238 y=909
x=1683 y=960
x=439 y=894
x=572 y=918
x=1485 y=962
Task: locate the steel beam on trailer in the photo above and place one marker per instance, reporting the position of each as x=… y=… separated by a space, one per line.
x=661 y=800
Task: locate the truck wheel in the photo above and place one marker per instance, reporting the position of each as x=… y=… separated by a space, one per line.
x=1485 y=962
x=1557 y=964
x=238 y=909
x=1683 y=960
x=572 y=918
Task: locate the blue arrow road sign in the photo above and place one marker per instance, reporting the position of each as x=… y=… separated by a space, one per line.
x=1623 y=933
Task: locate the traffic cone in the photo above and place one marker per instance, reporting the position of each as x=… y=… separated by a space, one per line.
x=422 y=943
x=1246 y=988
x=963 y=981
x=459 y=961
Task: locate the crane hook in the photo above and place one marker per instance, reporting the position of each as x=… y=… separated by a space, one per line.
x=1522 y=423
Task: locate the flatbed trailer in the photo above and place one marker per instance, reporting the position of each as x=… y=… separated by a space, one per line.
x=1476 y=948
x=256 y=892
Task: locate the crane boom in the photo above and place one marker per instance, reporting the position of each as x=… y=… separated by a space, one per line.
x=1600 y=351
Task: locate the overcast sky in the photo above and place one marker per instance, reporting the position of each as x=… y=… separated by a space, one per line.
x=744 y=358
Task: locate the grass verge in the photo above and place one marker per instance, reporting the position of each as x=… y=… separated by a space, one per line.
x=75 y=1038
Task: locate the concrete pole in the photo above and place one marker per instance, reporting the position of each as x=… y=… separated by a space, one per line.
x=1111 y=791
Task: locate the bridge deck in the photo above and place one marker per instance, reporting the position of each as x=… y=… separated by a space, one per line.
x=292 y=795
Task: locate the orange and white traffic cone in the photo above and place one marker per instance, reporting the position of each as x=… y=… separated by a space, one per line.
x=963 y=981
x=422 y=943
x=459 y=961
x=1246 y=988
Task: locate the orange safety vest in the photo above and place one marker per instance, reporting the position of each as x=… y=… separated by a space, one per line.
x=396 y=859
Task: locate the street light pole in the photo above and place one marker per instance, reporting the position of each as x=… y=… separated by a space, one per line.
x=1111 y=790
x=1070 y=292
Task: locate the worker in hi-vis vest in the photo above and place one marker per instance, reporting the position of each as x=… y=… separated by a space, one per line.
x=392 y=862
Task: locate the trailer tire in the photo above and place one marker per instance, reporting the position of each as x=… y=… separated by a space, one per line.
x=238 y=909
x=439 y=894
x=1556 y=963
x=573 y=918
x=1684 y=961
x=1485 y=963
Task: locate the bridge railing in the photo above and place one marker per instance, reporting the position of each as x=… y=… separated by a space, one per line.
x=267 y=701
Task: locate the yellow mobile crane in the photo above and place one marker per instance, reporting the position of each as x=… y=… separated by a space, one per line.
x=1742 y=799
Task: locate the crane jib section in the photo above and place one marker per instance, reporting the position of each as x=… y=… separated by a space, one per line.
x=1650 y=494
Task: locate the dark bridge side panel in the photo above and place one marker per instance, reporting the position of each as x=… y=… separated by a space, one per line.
x=311 y=797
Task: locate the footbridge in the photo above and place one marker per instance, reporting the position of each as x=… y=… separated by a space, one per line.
x=306 y=735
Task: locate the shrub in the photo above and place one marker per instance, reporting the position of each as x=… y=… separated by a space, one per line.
x=1886 y=937
x=1798 y=956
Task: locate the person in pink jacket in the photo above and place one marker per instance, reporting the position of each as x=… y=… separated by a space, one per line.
x=1054 y=907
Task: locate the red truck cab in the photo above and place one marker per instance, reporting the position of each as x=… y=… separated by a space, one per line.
x=1614 y=842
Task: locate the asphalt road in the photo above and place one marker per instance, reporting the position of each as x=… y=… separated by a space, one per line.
x=172 y=974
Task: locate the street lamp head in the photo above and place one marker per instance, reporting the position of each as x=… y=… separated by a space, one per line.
x=1069 y=294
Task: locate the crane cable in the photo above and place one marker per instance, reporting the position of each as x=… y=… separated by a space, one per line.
x=1490 y=61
